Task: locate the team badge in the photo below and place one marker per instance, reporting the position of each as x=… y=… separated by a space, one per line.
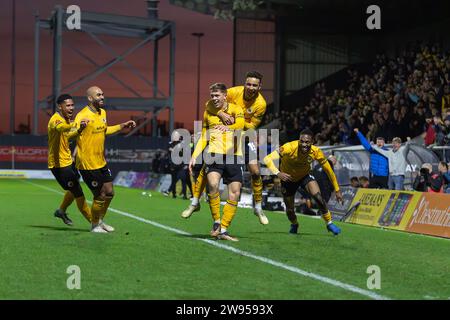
x=94 y=184
x=309 y=159
x=70 y=184
x=104 y=120
x=249 y=110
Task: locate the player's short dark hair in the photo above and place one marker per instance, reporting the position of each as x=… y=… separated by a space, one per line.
x=63 y=97
x=354 y=179
x=254 y=74
x=307 y=131
x=218 y=87
x=444 y=164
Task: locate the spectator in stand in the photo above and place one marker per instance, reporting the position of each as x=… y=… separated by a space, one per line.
x=443 y=169
x=446 y=138
x=422 y=180
x=379 y=164
x=354 y=182
x=363 y=182
x=445 y=103
x=436 y=180
x=397 y=162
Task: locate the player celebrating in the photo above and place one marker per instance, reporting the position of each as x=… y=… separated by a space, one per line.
x=221 y=143
x=295 y=167
x=60 y=130
x=91 y=156
x=253 y=105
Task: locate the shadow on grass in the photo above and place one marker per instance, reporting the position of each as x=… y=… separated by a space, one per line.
x=60 y=228
x=208 y=237
x=300 y=234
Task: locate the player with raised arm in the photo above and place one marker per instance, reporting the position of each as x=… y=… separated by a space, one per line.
x=91 y=156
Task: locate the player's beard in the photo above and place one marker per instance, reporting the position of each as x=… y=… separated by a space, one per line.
x=97 y=104
x=250 y=95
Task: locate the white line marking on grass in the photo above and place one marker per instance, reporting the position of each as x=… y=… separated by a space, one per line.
x=299 y=271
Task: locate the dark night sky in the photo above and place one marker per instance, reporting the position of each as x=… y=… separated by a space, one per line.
x=217 y=50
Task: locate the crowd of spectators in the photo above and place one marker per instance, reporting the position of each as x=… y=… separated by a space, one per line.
x=404 y=96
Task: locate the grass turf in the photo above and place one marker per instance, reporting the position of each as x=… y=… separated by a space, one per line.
x=143 y=261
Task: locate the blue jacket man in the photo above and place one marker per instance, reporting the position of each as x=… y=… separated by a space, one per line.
x=379 y=164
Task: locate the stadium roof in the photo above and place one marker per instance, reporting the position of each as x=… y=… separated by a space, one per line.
x=347 y=14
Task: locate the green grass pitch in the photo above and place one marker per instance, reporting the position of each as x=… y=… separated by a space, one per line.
x=155 y=254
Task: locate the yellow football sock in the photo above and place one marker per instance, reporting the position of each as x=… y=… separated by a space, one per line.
x=229 y=210
x=327 y=217
x=67 y=200
x=257 y=187
x=96 y=210
x=84 y=208
x=200 y=184
x=214 y=205
x=105 y=207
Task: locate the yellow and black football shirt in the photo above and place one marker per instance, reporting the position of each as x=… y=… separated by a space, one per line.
x=91 y=142
x=298 y=164
x=253 y=110
x=60 y=131
x=221 y=142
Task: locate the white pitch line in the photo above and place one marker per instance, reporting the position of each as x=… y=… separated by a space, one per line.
x=281 y=265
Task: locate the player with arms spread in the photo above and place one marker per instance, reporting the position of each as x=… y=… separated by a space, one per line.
x=91 y=156
x=295 y=167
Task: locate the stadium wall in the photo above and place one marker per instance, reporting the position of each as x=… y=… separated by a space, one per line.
x=122 y=153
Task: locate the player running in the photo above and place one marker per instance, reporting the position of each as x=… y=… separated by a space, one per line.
x=295 y=167
x=60 y=130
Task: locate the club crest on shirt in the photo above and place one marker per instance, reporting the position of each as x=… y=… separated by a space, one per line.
x=104 y=120
x=249 y=110
x=309 y=159
x=94 y=184
x=70 y=184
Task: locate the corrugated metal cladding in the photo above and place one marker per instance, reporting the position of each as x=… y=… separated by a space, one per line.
x=298 y=76
x=247 y=25
x=309 y=59
x=255 y=50
x=255 y=46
